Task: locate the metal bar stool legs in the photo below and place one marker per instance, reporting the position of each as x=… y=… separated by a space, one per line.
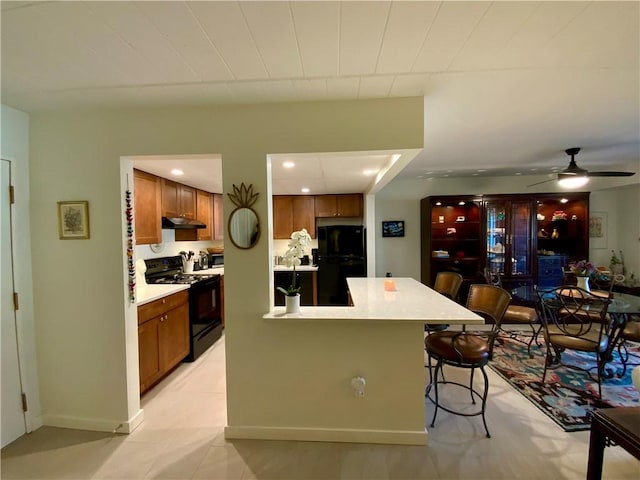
x=473 y=392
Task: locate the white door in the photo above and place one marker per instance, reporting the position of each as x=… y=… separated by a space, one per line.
x=13 y=420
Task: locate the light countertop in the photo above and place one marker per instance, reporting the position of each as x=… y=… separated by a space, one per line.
x=299 y=268
x=209 y=271
x=411 y=301
x=148 y=293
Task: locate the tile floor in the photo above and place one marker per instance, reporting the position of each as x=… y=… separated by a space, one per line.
x=182 y=438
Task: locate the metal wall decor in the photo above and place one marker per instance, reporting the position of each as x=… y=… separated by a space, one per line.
x=244 y=225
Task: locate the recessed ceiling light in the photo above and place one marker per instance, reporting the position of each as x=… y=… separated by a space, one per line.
x=304 y=190
x=369 y=172
x=460 y=203
x=438 y=203
x=481 y=170
x=288 y=164
x=518 y=173
x=564 y=200
x=177 y=171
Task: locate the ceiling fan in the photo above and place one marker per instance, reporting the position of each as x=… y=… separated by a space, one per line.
x=573 y=176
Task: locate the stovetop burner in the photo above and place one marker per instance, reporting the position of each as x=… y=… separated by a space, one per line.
x=168 y=271
x=179 y=278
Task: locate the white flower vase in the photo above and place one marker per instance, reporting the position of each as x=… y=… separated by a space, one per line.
x=292 y=303
x=583 y=283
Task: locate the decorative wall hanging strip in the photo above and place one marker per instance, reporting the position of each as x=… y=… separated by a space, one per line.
x=131 y=268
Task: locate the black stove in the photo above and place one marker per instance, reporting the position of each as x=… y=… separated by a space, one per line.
x=205 y=302
x=168 y=270
x=178 y=278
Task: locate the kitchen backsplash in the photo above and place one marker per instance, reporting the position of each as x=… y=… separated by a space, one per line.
x=281 y=246
x=169 y=247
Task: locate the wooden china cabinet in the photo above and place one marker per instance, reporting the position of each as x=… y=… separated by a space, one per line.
x=452 y=238
x=510 y=243
x=527 y=239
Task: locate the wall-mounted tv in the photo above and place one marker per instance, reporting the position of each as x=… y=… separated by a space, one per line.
x=393 y=228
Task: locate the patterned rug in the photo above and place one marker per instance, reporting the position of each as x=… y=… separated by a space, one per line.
x=568 y=396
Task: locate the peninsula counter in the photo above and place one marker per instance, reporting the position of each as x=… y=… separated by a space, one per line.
x=318 y=353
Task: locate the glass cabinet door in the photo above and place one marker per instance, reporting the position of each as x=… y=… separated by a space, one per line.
x=520 y=238
x=496 y=237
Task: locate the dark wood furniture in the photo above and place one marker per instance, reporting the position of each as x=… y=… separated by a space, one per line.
x=510 y=234
x=308 y=282
x=452 y=239
x=619 y=425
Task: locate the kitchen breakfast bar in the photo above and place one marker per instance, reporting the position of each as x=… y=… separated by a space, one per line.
x=361 y=370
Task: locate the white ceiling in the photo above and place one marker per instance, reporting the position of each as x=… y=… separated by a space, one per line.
x=508 y=86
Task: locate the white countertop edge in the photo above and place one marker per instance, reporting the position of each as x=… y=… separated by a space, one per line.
x=299 y=268
x=352 y=313
x=410 y=302
x=149 y=293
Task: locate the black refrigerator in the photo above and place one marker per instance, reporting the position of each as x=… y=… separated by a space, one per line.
x=341 y=254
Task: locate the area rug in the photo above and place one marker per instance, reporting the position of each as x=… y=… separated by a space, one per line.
x=567 y=396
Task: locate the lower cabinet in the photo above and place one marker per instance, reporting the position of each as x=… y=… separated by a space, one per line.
x=308 y=287
x=163 y=337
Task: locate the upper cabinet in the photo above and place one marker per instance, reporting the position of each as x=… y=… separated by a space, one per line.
x=292 y=213
x=204 y=214
x=178 y=200
x=218 y=217
x=148 y=220
x=345 y=205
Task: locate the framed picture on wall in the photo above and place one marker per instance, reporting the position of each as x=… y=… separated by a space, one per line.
x=73 y=220
x=393 y=228
x=598 y=230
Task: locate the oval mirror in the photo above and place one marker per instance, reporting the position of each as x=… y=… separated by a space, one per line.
x=244 y=228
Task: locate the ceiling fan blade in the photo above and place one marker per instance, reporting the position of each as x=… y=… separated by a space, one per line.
x=543 y=181
x=611 y=174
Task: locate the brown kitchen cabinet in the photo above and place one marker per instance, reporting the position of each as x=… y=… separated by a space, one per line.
x=163 y=337
x=342 y=205
x=146 y=202
x=178 y=200
x=292 y=213
x=204 y=214
x=218 y=217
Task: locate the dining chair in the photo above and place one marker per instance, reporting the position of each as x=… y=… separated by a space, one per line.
x=468 y=350
x=575 y=319
x=630 y=333
x=516 y=314
x=447 y=284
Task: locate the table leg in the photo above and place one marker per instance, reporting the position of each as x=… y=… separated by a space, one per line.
x=597 y=442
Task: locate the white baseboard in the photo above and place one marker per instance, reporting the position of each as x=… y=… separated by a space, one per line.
x=393 y=437
x=94 y=424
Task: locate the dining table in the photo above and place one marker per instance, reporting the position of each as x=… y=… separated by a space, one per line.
x=623 y=308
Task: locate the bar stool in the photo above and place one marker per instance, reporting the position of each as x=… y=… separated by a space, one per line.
x=468 y=350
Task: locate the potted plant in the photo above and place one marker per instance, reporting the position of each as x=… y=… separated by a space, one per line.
x=616 y=264
x=299 y=241
x=582 y=270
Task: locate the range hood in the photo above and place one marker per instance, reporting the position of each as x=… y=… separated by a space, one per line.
x=177 y=223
